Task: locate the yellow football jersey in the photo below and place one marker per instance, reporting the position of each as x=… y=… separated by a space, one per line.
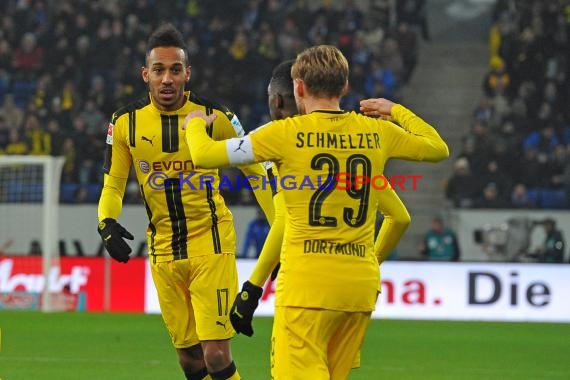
x=187 y=215
x=327 y=258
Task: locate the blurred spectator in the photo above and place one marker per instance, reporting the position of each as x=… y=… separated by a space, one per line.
x=69 y=152
x=440 y=243
x=56 y=135
x=544 y=140
x=81 y=195
x=476 y=161
x=494 y=174
x=491 y=197
x=12 y=115
x=520 y=197
x=28 y=58
x=533 y=167
x=39 y=139
x=16 y=145
x=92 y=117
x=462 y=186
x=414 y=12
x=391 y=58
x=408 y=44
x=497 y=80
x=552 y=250
x=380 y=82
x=257 y=231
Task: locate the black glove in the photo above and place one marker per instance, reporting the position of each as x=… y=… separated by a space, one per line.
x=112 y=234
x=275 y=271
x=243 y=308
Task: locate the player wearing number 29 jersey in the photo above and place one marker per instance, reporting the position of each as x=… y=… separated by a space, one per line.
x=327 y=259
x=336 y=160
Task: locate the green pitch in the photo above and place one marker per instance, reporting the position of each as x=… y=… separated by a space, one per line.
x=133 y=346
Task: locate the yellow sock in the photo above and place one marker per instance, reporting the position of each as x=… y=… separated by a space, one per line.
x=235 y=376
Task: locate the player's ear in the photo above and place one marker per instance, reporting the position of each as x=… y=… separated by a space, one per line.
x=299 y=87
x=144 y=73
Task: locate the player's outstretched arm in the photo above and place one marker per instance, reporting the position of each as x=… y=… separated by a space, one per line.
x=262 y=190
x=109 y=209
x=396 y=222
x=245 y=304
x=271 y=251
x=422 y=142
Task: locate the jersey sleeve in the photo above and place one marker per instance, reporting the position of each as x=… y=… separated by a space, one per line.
x=116 y=168
x=209 y=154
x=267 y=141
x=415 y=140
x=228 y=126
x=270 y=254
x=396 y=222
x=117 y=156
x=111 y=201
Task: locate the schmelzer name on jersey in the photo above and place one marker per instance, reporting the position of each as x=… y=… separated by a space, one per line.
x=338 y=140
x=334 y=248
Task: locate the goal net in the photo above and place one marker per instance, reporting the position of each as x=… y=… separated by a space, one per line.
x=29 y=202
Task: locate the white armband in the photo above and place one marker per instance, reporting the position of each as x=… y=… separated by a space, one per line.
x=240 y=151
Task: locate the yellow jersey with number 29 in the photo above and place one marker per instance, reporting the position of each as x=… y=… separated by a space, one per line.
x=331 y=165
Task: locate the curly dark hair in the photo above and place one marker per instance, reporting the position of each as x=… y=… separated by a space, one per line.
x=166 y=35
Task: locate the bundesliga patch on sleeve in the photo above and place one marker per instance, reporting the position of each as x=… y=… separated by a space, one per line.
x=237 y=126
x=110 y=134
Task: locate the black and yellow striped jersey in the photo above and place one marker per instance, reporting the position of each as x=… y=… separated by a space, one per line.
x=187 y=215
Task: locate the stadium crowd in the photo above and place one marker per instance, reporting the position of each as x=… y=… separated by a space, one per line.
x=66 y=66
x=517 y=151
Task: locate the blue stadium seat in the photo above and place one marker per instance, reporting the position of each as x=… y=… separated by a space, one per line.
x=93 y=192
x=534 y=196
x=67 y=192
x=553 y=199
x=23 y=91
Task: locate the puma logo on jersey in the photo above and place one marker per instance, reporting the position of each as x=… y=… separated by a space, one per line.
x=144 y=138
x=218 y=323
x=239 y=146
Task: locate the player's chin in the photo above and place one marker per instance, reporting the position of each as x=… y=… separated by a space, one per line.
x=167 y=100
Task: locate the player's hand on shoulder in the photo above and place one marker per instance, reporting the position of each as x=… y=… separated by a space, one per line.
x=243 y=308
x=209 y=119
x=377 y=107
x=113 y=235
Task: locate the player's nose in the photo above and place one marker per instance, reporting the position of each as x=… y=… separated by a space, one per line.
x=167 y=78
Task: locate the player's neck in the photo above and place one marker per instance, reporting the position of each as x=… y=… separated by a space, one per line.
x=315 y=104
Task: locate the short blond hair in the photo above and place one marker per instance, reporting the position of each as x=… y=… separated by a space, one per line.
x=323 y=69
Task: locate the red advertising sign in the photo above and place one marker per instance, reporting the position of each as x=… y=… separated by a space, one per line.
x=85 y=275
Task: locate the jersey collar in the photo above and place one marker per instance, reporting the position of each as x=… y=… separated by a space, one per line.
x=331 y=112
